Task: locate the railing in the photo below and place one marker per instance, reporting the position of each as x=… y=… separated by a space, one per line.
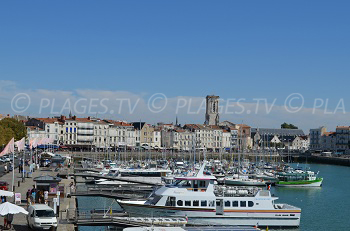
x=94 y=214
x=120 y=192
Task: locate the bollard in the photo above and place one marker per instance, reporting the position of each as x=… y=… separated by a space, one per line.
x=19 y=184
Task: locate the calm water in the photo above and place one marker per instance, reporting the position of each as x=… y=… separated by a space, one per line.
x=323 y=209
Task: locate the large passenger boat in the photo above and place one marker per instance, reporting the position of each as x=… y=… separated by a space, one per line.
x=204 y=202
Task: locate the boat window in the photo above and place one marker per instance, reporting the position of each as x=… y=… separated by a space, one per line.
x=250 y=203
x=180 y=203
x=201 y=183
x=196 y=203
x=234 y=203
x=204 y=203
x=155 y=200
x=211 y=203
x=227 y=203
x=187 y=203
x=183 y=183
x=170 y=201
x=243 y=204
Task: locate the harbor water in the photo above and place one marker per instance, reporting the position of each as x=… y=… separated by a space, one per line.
x=323 y=209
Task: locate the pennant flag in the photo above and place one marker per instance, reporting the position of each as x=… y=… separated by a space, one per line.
x=20 y=144
x=10 y=148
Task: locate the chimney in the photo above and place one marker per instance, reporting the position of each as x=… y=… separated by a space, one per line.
x=74 y=117
x=89 y=118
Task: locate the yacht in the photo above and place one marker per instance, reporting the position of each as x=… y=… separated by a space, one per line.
x=203 y=202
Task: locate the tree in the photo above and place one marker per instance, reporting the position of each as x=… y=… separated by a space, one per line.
x=12 y=128
x=288 y=126
x=6 y=135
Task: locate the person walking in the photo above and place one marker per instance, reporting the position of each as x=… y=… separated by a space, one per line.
x=9 y=221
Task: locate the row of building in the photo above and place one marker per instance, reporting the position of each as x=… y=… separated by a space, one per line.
x=337 y=141
x=94 y=133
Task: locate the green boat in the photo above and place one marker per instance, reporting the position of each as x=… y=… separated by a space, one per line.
x=298 y=179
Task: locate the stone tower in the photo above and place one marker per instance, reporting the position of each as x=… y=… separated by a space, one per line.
x=212 y=110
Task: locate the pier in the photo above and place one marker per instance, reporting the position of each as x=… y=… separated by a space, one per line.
x=121 y=193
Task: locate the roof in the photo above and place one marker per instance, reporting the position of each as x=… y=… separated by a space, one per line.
x=47 y=120
x=34 y=128
x=343 y=127
x=278 y=131
x=47 y=178
x=41 y=207
x=243 y=125
x=138 y=125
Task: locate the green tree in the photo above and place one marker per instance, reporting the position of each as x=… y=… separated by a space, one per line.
x=6 y=135
x=18 y=129
x=288 y=126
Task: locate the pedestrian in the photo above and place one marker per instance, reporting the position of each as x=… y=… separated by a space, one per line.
x=5 y=221
x=9 y=220
x=28 y=197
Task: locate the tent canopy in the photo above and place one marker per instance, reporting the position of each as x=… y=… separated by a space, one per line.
x=6 y=193
x=9 y=208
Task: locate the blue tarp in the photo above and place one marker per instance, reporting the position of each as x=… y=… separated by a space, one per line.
x=48 y=146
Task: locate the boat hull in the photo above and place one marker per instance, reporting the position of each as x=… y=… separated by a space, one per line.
x=244 y=183
x=316 y=183
x=207 y=216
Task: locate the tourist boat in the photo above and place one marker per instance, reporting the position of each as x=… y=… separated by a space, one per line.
x=204 y=202
x=299 y=178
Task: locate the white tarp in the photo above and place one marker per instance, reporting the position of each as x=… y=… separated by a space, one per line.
x=9 y=208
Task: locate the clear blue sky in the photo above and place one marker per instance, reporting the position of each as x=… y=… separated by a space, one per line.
x=229 y=48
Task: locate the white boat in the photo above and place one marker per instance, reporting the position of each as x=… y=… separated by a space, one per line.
x=204 y=203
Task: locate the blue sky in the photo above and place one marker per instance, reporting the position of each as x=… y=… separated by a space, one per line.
x=229 y=48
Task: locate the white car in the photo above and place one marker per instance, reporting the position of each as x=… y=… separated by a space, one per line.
x=41 y=216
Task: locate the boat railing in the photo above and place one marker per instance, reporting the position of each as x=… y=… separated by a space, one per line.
x=235 y=191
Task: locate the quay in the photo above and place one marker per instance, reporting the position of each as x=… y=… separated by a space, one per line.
x=116 y=192
x=21 y=186
x=142 y=180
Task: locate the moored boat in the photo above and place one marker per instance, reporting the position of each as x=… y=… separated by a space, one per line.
x=299 y=179
x=204 y=202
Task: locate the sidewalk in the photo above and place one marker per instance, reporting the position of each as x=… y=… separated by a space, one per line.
x=20 y=221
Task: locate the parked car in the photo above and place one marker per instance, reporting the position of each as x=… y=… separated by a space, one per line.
x=4 y=185
x=41 y=216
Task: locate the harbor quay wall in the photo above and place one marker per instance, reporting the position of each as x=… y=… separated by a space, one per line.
x=343 y=161
x=126 y=156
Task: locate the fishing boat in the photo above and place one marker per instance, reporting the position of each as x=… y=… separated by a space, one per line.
x=203 y=202
x=299 y=178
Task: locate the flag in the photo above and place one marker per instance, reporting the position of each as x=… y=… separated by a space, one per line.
x=20 y=144
x=10 y=148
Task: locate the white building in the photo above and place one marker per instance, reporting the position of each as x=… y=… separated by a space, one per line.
x=300 y=143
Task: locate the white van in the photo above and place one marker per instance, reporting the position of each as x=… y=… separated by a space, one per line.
x=41 y=216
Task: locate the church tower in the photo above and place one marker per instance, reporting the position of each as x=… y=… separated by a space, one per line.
x=212 y=110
